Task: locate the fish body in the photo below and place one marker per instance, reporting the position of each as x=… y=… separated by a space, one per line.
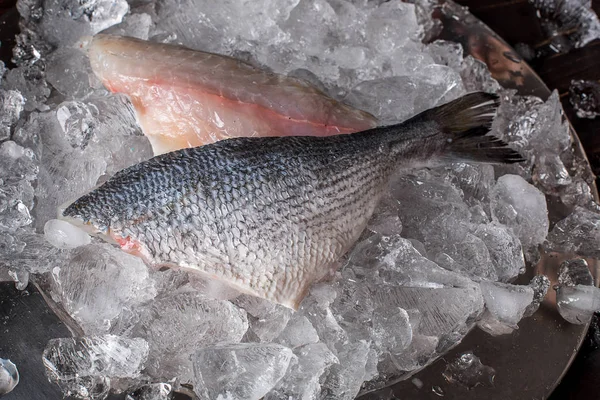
x=272 y=215
x=187 y=98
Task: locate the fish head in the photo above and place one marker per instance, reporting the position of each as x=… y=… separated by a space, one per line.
x=83 y=215
x=99 y=222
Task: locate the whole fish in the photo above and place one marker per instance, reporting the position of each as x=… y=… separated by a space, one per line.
x=186 y=98
x=272 y=215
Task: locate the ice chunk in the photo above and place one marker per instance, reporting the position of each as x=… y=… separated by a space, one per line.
x=69 y=72
x=18 y=168
x=65 y=173
x=540 y=285
x=9 y=376
x=578 y=233
x=468 y=370
x=133 y=25
x=317 y=308
x=302 y=378
x=575 y=272
x=572 y=20
x=11 y=106
x=585 y=98
x=421 y=351
x=83 y=367
x=577 y=304
x=105 y=13
x=77 y=121
x=391 y=25
x=310 y=21
x=63 y=235
x=391 y=329
x=521 y=206
x=299 y=331
x=401 y=277
x=239 y=371
x=343 y=380
x=29 y=81
x=100 y=283
x=504 y=249
x=267 y=320
x=396 y=98
x=153 y=391
x=505 y=303
x=474 y=73
x=551 y=173
x=179 y=323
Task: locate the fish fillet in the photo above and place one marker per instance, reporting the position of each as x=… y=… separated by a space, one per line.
x=187 y=98
x=272 y=215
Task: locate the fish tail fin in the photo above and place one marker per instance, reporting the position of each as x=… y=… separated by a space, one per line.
x=465 y=123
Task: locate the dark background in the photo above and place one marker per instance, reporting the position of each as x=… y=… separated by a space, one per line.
x=516 y=22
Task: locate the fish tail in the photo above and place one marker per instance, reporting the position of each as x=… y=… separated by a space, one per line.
x=465 y=124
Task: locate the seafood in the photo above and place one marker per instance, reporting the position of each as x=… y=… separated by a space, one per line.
x=272 y=215
x=187 y=98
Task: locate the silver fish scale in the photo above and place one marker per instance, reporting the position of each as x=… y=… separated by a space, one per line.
x=268 y=215
x=272 y=215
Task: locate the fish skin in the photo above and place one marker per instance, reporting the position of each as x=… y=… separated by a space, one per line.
x=272 y=215
x=187 y=98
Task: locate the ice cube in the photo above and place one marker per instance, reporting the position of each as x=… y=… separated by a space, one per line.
x=585 y=98
x=420 y=352
x=63 y=235
x=504 y=248
x=390 y=25
x=391 y=329
x=268 y=319
x=577 y=304
x=65 y=173
x=401 y=277
x=551 y=173
x=18 y=169
x=575 y=272
x=302 y=378
x=29 y=81
x=474 y=73
x=343 y=380
x=105 y=13
x=239 y=371
x=469 y=371
x=99 y=283
x=69 y=72
x=9 y=376
x=298 y=332
x=11 y=106
x=77 y=121
x=506 y=304
x=522 y=207
x=133 y=25
x=396 y=98
x=178 y=323
x=577 y=21
x=540 y=285
x=578 y=233
x=84 y=366
x=309 y=23
x=153 y=391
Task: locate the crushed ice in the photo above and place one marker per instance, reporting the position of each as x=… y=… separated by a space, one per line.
x=436 y=258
